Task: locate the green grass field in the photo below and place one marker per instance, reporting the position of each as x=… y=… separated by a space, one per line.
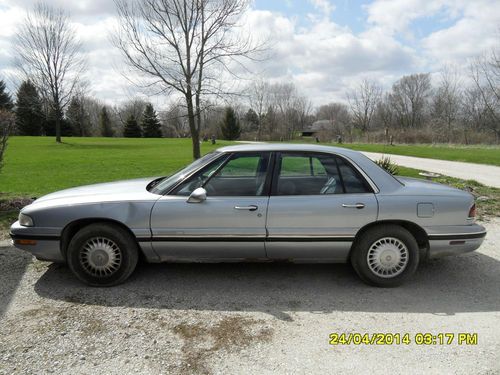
x=38 y=165
x=471 y=154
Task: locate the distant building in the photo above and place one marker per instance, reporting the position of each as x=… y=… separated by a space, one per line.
x=316 y=127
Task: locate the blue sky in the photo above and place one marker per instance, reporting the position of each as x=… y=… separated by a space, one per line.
x=346 y=13
x=354 y=15
x=324 y=47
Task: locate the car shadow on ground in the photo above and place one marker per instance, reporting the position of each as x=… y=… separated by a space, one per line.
x=448 y=286
x=13 y=264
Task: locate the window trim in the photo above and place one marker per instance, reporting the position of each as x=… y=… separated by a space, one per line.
x=340 y=175
x=180 y=182
x=348 y=161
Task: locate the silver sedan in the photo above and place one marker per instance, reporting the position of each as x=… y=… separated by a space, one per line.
x=267 y=202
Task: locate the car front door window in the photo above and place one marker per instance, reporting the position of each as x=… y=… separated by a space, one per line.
x=241 y=175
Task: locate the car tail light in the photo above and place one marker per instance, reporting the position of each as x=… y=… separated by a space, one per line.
x=472 y=211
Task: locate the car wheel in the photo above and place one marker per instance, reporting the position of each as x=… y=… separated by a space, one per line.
x=102 y=255
x=385 y=255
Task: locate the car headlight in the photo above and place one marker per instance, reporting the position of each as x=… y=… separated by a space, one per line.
x=25 y=220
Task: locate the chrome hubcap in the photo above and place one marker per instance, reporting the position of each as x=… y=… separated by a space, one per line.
x=387 y=257
x=100 y=256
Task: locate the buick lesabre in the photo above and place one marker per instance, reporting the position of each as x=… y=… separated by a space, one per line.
x=266 y=202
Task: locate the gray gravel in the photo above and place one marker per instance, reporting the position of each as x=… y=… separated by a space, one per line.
x=246 y=318
x=486 y=174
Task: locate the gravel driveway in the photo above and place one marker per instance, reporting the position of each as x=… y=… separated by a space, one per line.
x=247 y=318
x=488 y=175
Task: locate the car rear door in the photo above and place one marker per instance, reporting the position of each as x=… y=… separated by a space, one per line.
x=229 y=224
x=318 y=203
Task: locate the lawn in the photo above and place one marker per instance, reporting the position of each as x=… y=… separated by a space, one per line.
x=472 y=154
x=38 y=165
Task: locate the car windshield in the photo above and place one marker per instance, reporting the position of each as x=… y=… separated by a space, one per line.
x=166 y=183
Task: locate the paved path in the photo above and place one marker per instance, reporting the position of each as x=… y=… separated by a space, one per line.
x=485 y=174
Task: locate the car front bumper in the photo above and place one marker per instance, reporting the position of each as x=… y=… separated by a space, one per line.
x=454 y=240
x=44 y=247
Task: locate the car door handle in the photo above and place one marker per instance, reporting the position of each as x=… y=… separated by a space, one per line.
x=359 y=206
x=248 y=208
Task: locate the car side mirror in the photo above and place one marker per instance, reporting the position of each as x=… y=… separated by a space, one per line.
x=197 y=196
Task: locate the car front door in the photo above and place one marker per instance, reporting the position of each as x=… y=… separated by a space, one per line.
x=318 y=203
x=228 y=224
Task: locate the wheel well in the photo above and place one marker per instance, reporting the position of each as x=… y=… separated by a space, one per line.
x=418 y=233
x=72 y=228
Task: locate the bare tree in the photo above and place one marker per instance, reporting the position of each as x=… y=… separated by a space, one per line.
x=258 y=96
x=48 y=52
x=486 y=76
x=289 y=109
x=409 y=98
x=93 y=108
x=303 y=110
x=383 y=113
x=183 y=46
x=7 y=121
x=175 y=121
x=338 y=115
x=363 y=102
x=474 y=114
x=134 y=107
x=446 y=100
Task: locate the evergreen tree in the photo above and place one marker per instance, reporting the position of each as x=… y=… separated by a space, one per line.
x=49 y=125
x=132 y=128
x=5 y=99
x=105 y=123
x=29 y=115
x=77 y=117
x=230 y=126
x=151 y=127
x=252 y=119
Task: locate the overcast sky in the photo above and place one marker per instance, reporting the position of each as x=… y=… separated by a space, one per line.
x=324 y=47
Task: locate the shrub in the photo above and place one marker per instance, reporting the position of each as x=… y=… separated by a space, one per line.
x=388 y=165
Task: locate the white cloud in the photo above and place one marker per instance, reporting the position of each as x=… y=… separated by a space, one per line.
x=320 y=56
x=395 y=16
x=323 y=58
x=80 y=8
x=325 y=6
x=475 y=33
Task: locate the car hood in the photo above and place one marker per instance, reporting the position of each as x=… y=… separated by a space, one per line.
x=111 y=191
x=423 y=187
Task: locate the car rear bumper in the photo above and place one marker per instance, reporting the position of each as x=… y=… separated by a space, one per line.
x=455 y=240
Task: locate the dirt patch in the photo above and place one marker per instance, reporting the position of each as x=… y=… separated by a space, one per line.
x=14 y=204
x=230 y=334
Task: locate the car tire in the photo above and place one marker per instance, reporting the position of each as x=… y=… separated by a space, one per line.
x=385 y=256
x=102 y=254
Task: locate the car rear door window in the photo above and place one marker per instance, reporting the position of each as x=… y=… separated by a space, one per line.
x=308 y=174
x=317 y=174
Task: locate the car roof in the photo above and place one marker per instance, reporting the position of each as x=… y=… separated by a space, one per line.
x=286 y=147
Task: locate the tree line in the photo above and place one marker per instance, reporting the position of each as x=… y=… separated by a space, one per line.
x=186 y=47
x=83 y=117
x=452 y=107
